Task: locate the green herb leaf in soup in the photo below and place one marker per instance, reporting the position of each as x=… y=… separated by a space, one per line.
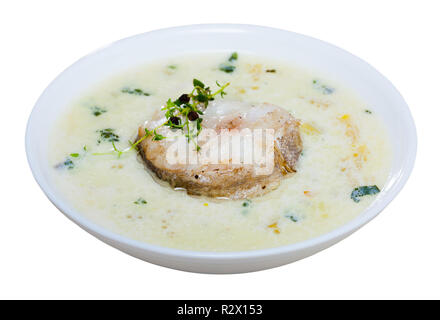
x=228 y=67
x=359 y=192
x=368 y=111
x=140 y=201
x=179 y=114
x=97 y=111
x=108 y=135
x=323 y=88
x=157 y=136
x=246 y=203
x=68 y=164
x=292 y=217
x=233 y=57
x=137 y=91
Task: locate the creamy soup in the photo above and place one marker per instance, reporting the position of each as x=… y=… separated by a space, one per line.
x=344 y=163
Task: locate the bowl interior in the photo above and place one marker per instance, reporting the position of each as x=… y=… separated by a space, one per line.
x=310 y=53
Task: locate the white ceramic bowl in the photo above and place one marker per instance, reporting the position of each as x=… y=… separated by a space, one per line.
x=340 y=65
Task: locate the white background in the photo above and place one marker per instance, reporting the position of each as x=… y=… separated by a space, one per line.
x=44 y=255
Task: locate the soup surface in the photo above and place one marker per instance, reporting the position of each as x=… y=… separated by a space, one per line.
x=344 y=162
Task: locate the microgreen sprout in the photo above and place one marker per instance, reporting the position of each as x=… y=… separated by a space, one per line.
x=233 y=57
x=68 y=163
x=246 y=203
x=183 y=114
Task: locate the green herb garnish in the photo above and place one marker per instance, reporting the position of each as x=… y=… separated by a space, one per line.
x=97 y=111
x=323 y=88
x=292 y=217
x=271 y=70
x=107 y=135
x=228 y=67
x=137 y=91
x=68 y=163
x=246 y=203
x=172 y=67
x=246 y=206
x=363 y=191
x=233 y=57
x=183 y=114
x=140 y=201
x=197 y=83
x=368 y=111
x=156 y=136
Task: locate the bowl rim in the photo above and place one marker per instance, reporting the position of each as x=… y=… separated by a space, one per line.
x=334 y=235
